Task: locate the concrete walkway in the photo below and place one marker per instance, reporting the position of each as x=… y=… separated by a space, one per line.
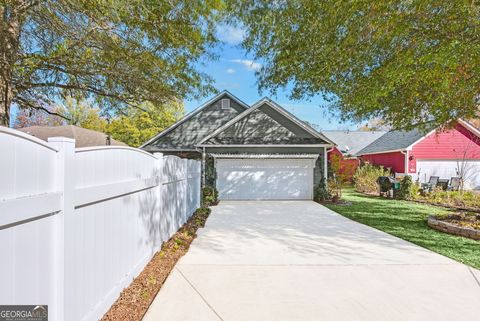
x=297 y=260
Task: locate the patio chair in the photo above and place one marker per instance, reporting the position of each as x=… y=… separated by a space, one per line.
x=443 y=183
x=455 y=183
x=432 y=183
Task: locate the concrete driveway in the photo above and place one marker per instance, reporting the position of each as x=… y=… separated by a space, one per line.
x=297 y=260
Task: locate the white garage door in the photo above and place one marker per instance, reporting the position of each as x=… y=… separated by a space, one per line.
x=265 y=179
x=448 y=169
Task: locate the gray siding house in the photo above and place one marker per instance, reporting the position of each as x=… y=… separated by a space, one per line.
x=256 y=152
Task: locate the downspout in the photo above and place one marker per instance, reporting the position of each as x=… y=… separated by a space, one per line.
x=203 y=167
x=325 y=161
x=405 y=167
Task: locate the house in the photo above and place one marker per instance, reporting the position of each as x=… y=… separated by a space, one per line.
x=249 y=152
x=450 y=153
x=83 y=137
x=348 y=144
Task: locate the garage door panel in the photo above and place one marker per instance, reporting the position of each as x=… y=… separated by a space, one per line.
x=265 y=179
x=448 y=169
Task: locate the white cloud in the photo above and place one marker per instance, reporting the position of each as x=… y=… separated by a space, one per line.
x=249 y=64
x=230 y=70
x=230 y=34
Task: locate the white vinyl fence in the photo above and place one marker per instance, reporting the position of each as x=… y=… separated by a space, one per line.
x=77 y=225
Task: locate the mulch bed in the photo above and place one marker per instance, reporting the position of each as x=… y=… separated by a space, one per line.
x=135 y=300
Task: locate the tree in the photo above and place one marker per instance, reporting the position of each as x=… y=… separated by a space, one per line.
x=375 y=124
x=29 y=117
x=118 y=53
x=407 y=62
x=138 y=126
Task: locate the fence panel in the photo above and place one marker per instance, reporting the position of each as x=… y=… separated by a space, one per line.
x=109 y=210
x=28 y=201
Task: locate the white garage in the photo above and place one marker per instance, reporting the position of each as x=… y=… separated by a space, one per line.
x=265 y=179
x=448 y=169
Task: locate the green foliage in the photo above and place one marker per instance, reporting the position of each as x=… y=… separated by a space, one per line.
x=467 y=199
x=320 y=192
x=137 y=126
x=371 y=59
x=365 y=178
x=119 y=53
x=408 y=221
x=407 y=188
x=209 y=196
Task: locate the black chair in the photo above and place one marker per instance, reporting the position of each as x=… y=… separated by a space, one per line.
x=432 y=183
x=443 y=183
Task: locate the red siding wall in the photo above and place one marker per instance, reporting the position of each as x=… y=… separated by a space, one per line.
x=395 y=161
x=348 y=166
x=457 y=143
x=450 y=144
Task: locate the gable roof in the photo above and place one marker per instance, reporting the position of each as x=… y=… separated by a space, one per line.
x=83 y=137
x=397 y=140
x=315 y=137
x=195 y=112
x=393 y=141
x=350 y=142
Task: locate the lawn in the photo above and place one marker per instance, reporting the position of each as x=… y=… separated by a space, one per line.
x=407 y=220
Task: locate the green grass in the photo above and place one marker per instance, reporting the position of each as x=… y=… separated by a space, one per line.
x=408 y=221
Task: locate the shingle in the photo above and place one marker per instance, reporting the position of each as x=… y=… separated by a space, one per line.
x=351 y=142
x=190 y=132
x=393 y=140
x=83 y=137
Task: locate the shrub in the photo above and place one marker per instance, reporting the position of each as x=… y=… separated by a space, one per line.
x=453 y=198
x=320 y=193
x=406 y=191
x=209 y=196
x=365 y=178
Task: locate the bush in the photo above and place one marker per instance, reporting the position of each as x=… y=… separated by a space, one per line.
x=407 y=188
x=320 y=193
x=209 y=196
x=365 y=178
x=453 y=198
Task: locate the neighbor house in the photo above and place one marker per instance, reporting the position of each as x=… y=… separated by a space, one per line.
x=83 y=137
x=249 y=152
x=348 y=143
x=451 y=153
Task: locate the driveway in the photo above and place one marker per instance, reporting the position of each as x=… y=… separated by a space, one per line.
x=297 y=260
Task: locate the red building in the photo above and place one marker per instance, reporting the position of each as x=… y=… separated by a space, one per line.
x=450 y=153
x=348 y=144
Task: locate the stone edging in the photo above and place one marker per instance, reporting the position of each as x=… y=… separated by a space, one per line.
x=450 y=228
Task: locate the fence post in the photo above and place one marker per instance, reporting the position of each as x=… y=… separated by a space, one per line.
x=158 y=196
x=64 y=182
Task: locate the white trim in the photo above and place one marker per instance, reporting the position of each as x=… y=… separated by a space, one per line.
x=384 y=152
x=410 y=147
x=292 y=117
x=265 y=156
x=469 y=127
x=277 y=108
x=270 y=145
x=193 y=113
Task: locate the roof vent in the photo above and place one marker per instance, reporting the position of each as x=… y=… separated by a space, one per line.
x=225 y=103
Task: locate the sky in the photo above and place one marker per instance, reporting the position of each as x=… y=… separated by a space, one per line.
x=234 y=71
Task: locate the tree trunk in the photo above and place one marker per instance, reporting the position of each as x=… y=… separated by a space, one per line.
x=9 y=44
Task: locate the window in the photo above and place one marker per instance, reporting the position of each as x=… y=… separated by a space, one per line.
x=225 y=103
